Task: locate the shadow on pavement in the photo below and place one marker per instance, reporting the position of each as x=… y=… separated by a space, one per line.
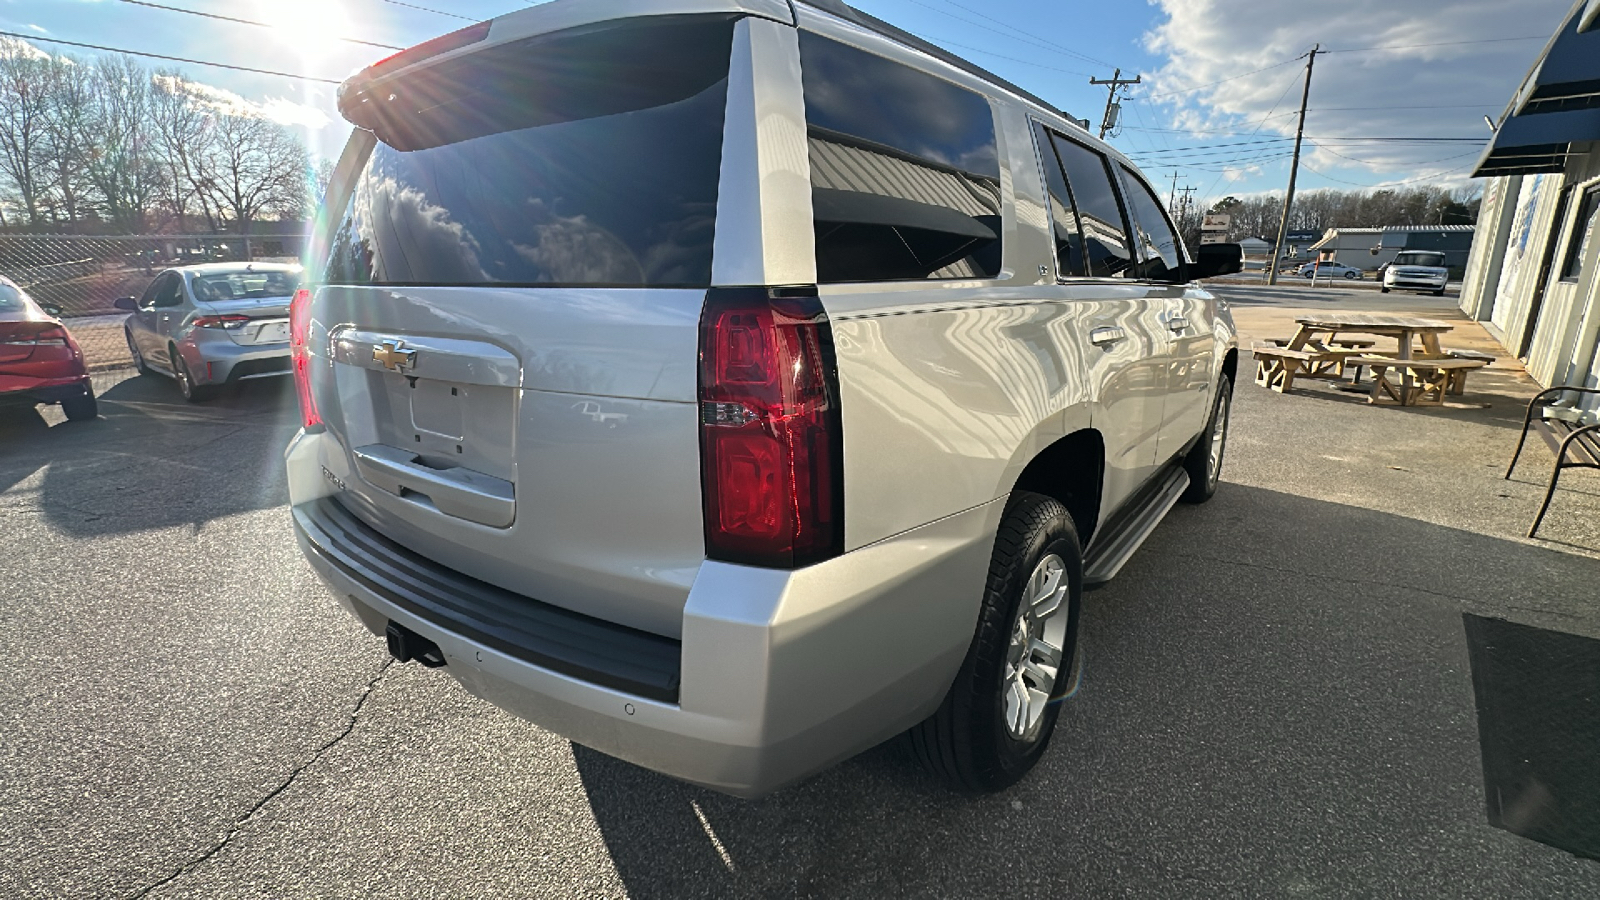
x=1285 y=710
x=151 y=460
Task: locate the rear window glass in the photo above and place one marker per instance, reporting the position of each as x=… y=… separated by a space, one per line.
x=1105 y=233
x=234 y=285
x=11 y=299
x=582 y=158
x=905 y=173
x=1414 y=258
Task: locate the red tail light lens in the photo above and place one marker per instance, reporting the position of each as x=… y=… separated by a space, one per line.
x=221 y=321
x=33 y=333
x=300 y=358
x=771 y=445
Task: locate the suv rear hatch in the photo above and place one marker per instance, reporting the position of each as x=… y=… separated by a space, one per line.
x=512 y=304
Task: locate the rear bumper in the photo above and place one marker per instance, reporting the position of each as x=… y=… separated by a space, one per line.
x=30 y=391
x=779 y=673
x=216 y=359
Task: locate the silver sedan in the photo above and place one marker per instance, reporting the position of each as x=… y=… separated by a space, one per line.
x=210 y=325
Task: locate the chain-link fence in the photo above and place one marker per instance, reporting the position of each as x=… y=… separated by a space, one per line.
x=84 y=276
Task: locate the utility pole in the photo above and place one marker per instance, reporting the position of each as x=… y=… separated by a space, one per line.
x=1294 y=171
x=1172 y=198
x=1183 y=207
x=1115 y=82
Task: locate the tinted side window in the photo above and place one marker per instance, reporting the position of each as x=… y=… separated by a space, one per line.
x=585 y=158
x=1583 y=231
x=905 y=172
x=1158 y=245
x=1063 y=217
x=1105 y=234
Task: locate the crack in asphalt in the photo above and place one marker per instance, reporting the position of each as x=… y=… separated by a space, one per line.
x=238 y=824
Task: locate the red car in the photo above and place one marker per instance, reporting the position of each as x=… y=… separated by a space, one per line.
x=39 y=360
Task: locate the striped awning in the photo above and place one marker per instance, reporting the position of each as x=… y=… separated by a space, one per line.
x=1557 y=106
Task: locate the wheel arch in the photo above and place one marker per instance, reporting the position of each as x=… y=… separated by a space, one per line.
x=1072 y=472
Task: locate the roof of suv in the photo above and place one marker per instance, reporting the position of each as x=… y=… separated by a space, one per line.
x=561 y=14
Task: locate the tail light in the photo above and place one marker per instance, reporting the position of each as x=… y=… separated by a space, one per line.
x=300 y=358
x=771 y=446
x=229 y=322
x=35 y=333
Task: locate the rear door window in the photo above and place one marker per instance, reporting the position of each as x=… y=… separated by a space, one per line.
x=585 y=158
x=905 y=171
x=1063 y=215
x=1105 y=232
x=1159 y=255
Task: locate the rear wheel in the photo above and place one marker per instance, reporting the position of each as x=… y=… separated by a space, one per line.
x=81 y=408
x=997 y=719
x=1439 y=292
x=192 y=392
x=1204 y=460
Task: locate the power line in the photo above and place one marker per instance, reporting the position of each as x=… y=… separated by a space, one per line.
x=1023 y=32
x=1390 y=184
x=438 y=12
x=1202 y=87
x=1032 y=39
x=193 y=62
x=222 y=18
x=1537 y=37
x=1210 y=146
x=1114 y=84
x=979 y=50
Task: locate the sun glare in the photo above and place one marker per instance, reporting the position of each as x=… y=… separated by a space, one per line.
x=312 y=27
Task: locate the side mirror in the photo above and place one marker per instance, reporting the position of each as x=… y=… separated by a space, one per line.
x=1216 y=259
x=126 y=303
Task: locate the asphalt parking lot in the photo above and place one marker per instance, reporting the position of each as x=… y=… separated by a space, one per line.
x=1277 y=697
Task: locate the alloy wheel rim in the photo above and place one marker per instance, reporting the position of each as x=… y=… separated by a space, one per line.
x=1219 y=439
x=184 y=384
x=1034 y=654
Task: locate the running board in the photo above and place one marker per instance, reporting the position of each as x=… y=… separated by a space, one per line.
x=1111 y=550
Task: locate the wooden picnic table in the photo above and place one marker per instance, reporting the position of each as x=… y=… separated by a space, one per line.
x=1407 y=332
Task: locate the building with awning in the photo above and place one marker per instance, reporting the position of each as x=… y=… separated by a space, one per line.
x=1369 y=248
x=1533 y=278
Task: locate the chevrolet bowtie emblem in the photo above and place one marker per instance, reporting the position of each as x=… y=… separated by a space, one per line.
x=393 y=355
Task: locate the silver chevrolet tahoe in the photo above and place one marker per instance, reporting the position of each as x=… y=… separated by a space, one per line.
x=732 y=385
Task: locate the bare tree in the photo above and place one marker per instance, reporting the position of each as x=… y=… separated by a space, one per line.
x=183 y=128
x=68 y=110
x=23 y=76
x=253 y=167
x=124 y=163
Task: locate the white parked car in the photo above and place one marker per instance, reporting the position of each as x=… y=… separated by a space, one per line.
x=1330 y=270
x=1417 y=270
x=732 y=385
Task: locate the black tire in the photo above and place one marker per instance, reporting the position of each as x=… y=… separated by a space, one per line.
x=138 y=358
x=967 y=742
x=1439 y=292
x=82 y=408
x=1352 y=275
x=1204 y=470
x=1384 y=290
x=194 y=393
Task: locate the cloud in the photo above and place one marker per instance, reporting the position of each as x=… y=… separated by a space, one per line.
x=1418 y=91
x=38 y=28
x=276 y=109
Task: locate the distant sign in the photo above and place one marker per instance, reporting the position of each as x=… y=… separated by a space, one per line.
x=1216 y=222
x=1301 y=237
x=1213 y=237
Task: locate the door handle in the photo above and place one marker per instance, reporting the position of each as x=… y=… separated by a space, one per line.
x=1107 y=335
x=1177 y=324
